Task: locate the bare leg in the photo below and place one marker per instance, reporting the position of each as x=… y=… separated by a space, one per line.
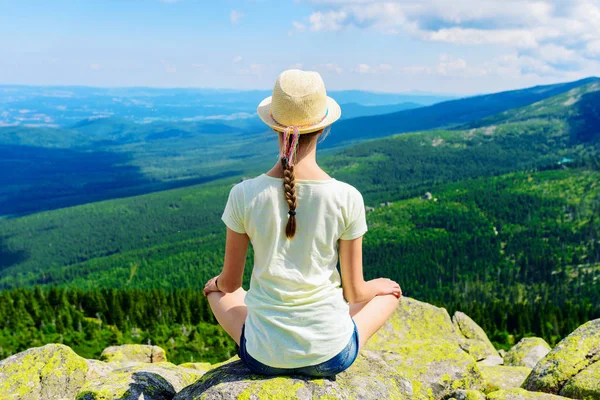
x=230 y=311
x=371 y=315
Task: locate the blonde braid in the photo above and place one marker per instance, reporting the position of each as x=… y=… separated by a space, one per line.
x=289 y=189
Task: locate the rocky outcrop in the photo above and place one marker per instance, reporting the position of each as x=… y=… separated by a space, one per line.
x=133 y=353
x=418 y=354
x=503 y=377
x=475 y=341
x=572 y=366
x=527 y=352
x=522 y=394
x=51 y=372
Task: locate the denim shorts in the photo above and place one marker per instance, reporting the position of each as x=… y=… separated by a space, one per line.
x=331 y=367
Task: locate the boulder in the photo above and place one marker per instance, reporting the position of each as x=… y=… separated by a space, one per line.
x=503 y=377
x=200 y=366
x=571 y=356
x=462 y=394
x=475 y=341
x=491 y=361
x=368 y=378
x=414 y=321
x=127 y=386
x=522 y=394
x=156 y=381
x=584 y=385
x=527 y=352
x=132 y=353
x=49 y=372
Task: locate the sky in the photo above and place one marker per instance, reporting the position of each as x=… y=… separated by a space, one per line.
x=435 y=46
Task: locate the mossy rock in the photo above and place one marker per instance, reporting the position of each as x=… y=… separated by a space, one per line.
x=133 y=353
x=367 y=378
x=462 y=394
x=584 y=385
x=49 y=372
x=127 y=386
x=161 y=378
x=522 y=394
x=434 y=369
x=503 y=377
x=413 y=321
x=200 y=366
x=572 y=355
x=527 y=352
x=475 y=341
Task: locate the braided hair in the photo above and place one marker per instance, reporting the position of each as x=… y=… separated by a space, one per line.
x=289 y=189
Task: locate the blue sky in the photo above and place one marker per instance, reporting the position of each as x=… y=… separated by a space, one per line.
x=441 y=46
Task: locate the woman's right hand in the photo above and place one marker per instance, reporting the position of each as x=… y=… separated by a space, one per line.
x=385 y=286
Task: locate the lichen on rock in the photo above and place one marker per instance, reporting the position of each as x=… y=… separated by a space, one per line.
x=570 y=357
x=127 y=386
x=527 y=352
x=503 y=377
x=368 y=378
x=522 y=394
x=133 y=353
x=50 y=372
x=474 y=340
x=585 y=385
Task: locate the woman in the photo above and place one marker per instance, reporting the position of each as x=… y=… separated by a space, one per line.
x=294 y=319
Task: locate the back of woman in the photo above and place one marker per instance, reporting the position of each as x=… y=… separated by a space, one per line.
x=297 y=315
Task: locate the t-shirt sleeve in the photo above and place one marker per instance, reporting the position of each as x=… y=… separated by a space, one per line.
x=356 y=224
x=233 y=216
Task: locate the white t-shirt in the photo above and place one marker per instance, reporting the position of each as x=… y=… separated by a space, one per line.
x=297 y=315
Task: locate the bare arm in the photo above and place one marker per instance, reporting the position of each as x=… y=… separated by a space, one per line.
x=356 y=289
x=230 y=279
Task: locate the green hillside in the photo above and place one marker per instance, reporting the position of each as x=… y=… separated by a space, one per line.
x=518 y=251
x=566 y=126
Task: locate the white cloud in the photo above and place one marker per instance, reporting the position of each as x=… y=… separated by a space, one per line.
x=235 y=16
x=295 y=66
x=363 y=68
x=558 y=32
x=298 y=26
x=95 y=67
x=328 y=21
x=330 y=68
x=367 y=69
x=237 y=59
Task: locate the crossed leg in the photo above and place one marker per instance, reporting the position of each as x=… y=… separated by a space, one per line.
x=371 y=315
x=230 y=311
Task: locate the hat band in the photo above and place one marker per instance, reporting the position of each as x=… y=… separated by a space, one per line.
x=299 y=126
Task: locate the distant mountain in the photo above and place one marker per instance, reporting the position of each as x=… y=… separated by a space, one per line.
x=355 y=110
x=55 y=106
x=445 y=114
x=566 y=126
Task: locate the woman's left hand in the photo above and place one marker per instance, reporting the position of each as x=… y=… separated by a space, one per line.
x=211 y=286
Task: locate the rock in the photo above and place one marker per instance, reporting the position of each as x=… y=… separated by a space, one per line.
x=491 y=361
x=133 y=353
x=49 y=372
x=414 y=321
x=97 y=369
x=522 y=394
x=201 y=366
x=584 y=385
x=427 y=196
x=476 y=342
x=434 y=369
x=127 y=386
x=368 y=378
x=502 y=377
x=462 y=394
x=161 y=380
x=527 y=352
x=572 y=355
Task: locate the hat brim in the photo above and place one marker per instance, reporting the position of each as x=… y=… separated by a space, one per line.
x=333 y=114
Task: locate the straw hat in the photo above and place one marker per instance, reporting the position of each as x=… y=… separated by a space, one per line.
x=299 y=101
